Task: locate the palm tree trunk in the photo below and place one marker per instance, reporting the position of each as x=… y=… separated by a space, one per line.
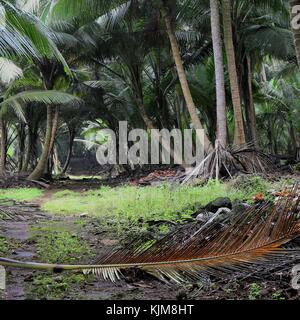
x=54 y=129
x=69 y=155
x=41 y=166
x=3 y=140
x=28 y=150
x=150 y=125
x=296 y=29
x=183 y=80
x=219 y=71
x=239 y=134
x=251 y=110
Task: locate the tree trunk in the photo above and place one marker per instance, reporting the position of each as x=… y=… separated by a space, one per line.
x=150 y=125
x=219 y=71
x=28 y=150
x=239 y=133
x=53 y=135
x=295 y=18
x=3 y=140
x=41 y=166
x=251 y=109
x=54 y=129
x=183 y=80
x=69 y=155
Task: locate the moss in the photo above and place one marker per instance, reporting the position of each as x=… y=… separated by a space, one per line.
x=59 y=245
x=50 y=287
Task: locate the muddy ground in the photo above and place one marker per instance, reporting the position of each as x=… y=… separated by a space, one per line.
x=17 y=227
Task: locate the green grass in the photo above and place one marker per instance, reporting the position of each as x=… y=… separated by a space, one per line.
x=133 y=203
x=50 y=287
x=4 y=246
x=20 y=194
x=254 y=291
x=59 y=244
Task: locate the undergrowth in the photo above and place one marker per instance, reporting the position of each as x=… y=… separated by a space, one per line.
x=135 y=203
x=4 y=246
x=58 y=244
x=20 y=194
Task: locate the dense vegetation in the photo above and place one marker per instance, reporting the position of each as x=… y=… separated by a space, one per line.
x=71 y=68
x=68 y=71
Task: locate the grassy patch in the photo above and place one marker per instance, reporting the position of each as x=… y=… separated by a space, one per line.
x=249 y=186
x=58 y=244
x=20 y=194
x=4 y=246
x=134 y=203
x=55 y=287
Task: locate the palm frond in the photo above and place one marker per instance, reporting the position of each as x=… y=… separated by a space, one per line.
x=29 y=5
x=68 y=9
x=114 y=16
x=251 y=242
x=47 y=97
x=9 y=71
x=33 y=31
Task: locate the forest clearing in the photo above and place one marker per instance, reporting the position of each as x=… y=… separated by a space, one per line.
x=149 y=150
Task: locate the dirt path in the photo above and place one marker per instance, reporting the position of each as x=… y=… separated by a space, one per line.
x=17 y=232
x=135 y=285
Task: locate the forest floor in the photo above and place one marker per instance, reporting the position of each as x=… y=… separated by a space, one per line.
x=77 y=222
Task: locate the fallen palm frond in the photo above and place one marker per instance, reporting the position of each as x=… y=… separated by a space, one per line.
x=230 y=161
x=253 y=241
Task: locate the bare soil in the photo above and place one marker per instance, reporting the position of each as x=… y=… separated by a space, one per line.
x=135 y=285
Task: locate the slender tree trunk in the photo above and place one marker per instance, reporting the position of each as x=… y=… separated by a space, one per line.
x=295 y=18
x=54 y=129
x=251 y=109
x=150 y=125
x=22 y=145
x=53 y=135
x=3 y=140
x=42 y=164
x=219 y=71
x=28 y=151
x=183 y=80
x=239 y=134
x=69 y=155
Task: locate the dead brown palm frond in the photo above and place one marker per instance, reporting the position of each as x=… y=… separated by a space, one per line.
x=253 y=241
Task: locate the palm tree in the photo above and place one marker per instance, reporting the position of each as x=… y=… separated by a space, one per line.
x=239 y=133
x=182 y=78
x=219 y=72
x=296 y=28
x=34 y=36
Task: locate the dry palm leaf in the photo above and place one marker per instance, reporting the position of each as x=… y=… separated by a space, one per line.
x=253 y=240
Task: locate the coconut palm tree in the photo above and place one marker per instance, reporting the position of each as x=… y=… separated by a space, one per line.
x=43 y=50
x=219 y=72
x=239 y=133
